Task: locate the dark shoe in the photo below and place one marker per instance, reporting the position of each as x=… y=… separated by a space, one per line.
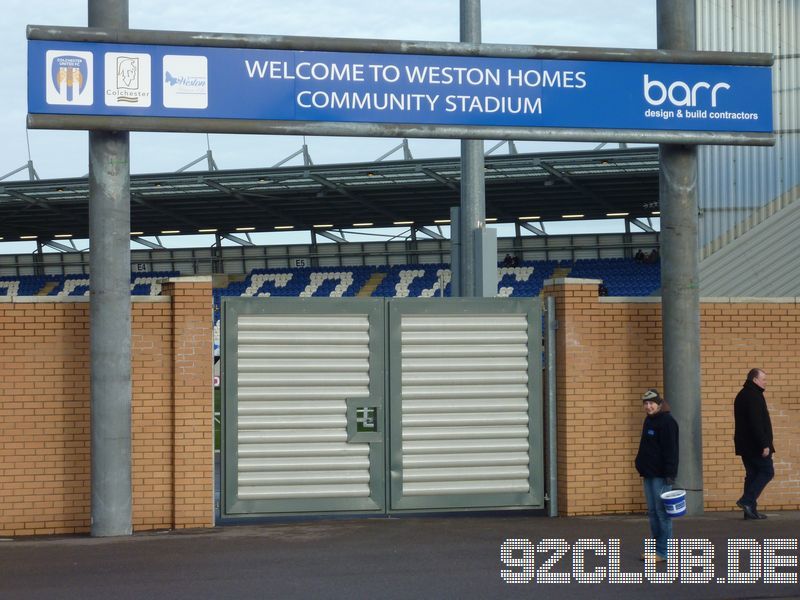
x=749 y=511
x=760 y=515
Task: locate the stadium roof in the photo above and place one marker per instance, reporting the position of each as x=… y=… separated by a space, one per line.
x=594 y=184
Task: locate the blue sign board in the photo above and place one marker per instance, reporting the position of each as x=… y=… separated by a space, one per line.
x=98 y=79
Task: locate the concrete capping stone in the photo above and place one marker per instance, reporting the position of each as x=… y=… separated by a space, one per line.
x=50 y=299
x=630 y=299
x=190 y=279
x=749 y=300
x=753 y=300
x=572 y=281
x=708 y=300
x=75 y=299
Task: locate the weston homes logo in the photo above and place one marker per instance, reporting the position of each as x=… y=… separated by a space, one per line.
x=69 y=78
x=185 y=81
x=127 y=79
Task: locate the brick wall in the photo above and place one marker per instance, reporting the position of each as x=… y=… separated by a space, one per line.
x=45 y=420
x=609 y=351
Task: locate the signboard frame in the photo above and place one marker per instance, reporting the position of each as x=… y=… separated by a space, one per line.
x=392 y=129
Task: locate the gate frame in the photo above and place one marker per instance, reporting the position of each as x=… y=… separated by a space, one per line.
x=385 y=350
x=534 y=498
x=230 y=506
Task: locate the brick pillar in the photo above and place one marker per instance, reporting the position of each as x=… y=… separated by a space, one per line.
x=608 y=352
x=578 y=479
x=193 y=401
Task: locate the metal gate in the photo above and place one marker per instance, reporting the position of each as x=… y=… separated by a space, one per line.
x=308 y=427
x=465 y=413
x=295 y=372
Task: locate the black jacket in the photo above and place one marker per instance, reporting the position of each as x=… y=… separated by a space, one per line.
x=658 y=448
x=753 y=426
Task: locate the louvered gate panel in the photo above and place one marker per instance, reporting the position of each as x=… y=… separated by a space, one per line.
x=301 y=370
x=465 y=401
x=304 y=405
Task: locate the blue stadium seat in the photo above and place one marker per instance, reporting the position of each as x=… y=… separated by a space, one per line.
x=621 y=276
x=142 y=283
x=332 y=282
x=24 y=285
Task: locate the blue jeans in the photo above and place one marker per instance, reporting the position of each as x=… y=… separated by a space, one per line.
x=660 y=523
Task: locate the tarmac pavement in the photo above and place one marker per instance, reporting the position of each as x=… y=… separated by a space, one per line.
x=409 y=557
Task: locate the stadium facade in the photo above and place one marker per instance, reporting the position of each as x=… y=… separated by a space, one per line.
x=749 y=212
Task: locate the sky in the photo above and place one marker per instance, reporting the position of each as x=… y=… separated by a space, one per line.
x=56 y=154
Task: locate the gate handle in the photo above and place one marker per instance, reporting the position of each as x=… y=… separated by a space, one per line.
x=364 y=421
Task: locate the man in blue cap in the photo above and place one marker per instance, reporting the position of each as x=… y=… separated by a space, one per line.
x=657 y=463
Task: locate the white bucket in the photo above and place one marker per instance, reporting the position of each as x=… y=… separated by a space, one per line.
x=674 y=503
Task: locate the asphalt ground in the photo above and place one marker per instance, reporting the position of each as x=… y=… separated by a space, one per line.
x=408 y=557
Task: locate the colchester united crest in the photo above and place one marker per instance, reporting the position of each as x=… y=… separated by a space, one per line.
x=69 y=76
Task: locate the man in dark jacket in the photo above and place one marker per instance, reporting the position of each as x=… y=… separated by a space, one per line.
x=753 y=441
x=657 y=463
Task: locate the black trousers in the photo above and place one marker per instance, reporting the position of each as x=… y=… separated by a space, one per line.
x=758 y=473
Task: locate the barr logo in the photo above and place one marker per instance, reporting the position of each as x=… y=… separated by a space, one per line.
x=680 y=93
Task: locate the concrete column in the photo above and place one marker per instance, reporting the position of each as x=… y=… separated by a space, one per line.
x=679 y=272
x=473 y=197
x=110 y=311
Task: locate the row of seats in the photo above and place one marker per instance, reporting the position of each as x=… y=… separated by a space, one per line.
x=142 y=284
x=621 y=277
x=26 y=285
x=403 y=281
x=303 y=282
x=433 y=280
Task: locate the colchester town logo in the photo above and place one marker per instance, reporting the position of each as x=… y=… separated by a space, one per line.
x=69 y=75
x=128 y=74
x=127 y=79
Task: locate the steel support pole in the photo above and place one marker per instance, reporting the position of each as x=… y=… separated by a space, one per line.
x=552 y=412
x=110 y=311
x=473 y=196
x=455 y=251
x=680 y=296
